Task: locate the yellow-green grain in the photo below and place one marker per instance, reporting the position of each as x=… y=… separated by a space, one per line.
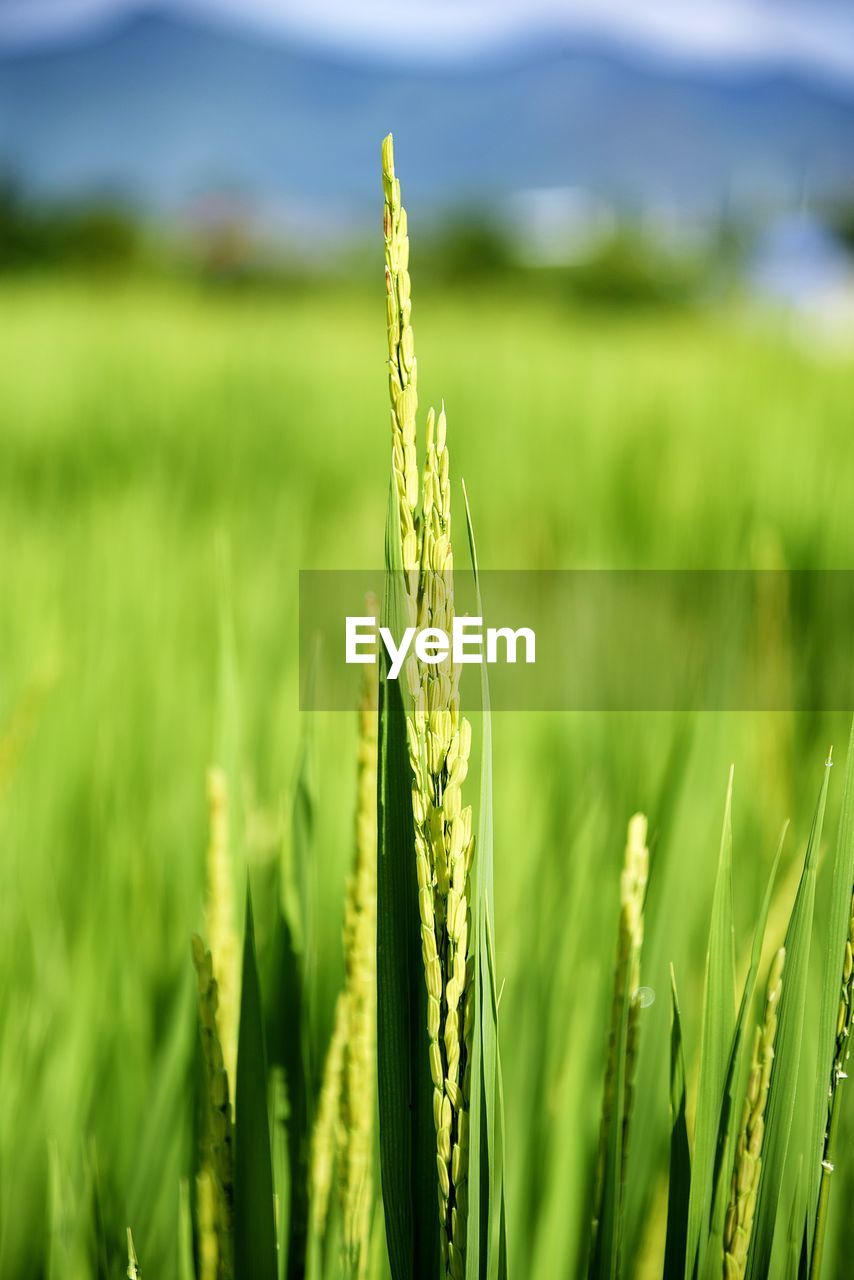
x=217 y=1136
x=360 y=925
x=738 y=1225
x=133 y=1272
x=439 y=742
x=325 y=1139
x=220 y=920
x=838 y=1076
x=633 y=881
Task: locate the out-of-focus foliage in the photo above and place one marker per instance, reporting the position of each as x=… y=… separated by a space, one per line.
x=92 y=235
x=141 y=423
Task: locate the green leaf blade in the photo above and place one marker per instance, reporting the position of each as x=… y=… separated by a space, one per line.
x=836 y=932
x=486 y=1246
x=679 y=1184
x=718 y=1026
x=254 y=1222
x=406 y=1131
x=780 y=1108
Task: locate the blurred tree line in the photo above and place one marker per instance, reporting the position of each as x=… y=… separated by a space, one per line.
x=626 y=266
x=631 y=264
x=93 y=234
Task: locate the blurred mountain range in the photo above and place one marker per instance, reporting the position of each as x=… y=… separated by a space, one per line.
x=160 y=111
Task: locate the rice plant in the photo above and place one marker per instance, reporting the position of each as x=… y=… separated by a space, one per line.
x=675 y=1005
x=434 y=896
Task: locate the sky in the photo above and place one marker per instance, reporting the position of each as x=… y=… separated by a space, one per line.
x=815 y=33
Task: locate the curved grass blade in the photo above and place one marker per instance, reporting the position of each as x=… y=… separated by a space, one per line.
x=228 y=732
x=281 y=1165
x=148 y=1194
x=302 y=845
x=604 y=1257
x=291 y=1022
x=736 y=1080
x=795 y=1241
x=718 y=1026
x=289 y=1056
x=784 y=1077
x=679 y=1187
x=486 y=1248
x=836 y=934
x=254 y=1222
x=649 y=1120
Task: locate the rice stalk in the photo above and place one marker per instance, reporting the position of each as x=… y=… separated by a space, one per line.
x=208 y=1248
x=618 y=1092
x=748 y=1153
x=133 y=1271
x=325 y=1138
x=344 y=1128
x=186 y=1264
x=838 y=1075
x=439 y=744
x=219 y=919
x=403 y=369
x=218 y=1136
x=360 y=927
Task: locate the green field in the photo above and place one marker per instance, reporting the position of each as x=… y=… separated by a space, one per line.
x=153 y=434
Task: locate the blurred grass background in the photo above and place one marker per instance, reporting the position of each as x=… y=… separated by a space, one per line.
x=145 y=424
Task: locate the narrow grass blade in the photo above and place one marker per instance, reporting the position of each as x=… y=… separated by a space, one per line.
x=254 y=1224
x=148 y=1196
x=497 y=1265
x=604 y=1258
x=679 y=1187
x=288 y=1040
x=406 y=1131
x=281 y=1165
x=228 y=737
x=290 y=1021
x=737 y=1071
x=486 y=1249
x=649 y=1121
x=795 y=1241
x=835 y=934
x=784 y=1077
x=300 y=871
x=718 y=1026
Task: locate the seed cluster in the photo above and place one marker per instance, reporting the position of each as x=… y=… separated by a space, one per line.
x=748 y=1153
x=344 y=1128
x=403 y=367
x=841 y=1054
x=133 y=1271
x=846 y=1001
x=633 y=881
x=439 y=743
x=360 y=928
x=325 y=1138
x=218 y=1135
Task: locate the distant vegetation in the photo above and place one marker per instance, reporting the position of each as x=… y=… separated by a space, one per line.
x=629 y=264
x=141 y=423
x=91 y=234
